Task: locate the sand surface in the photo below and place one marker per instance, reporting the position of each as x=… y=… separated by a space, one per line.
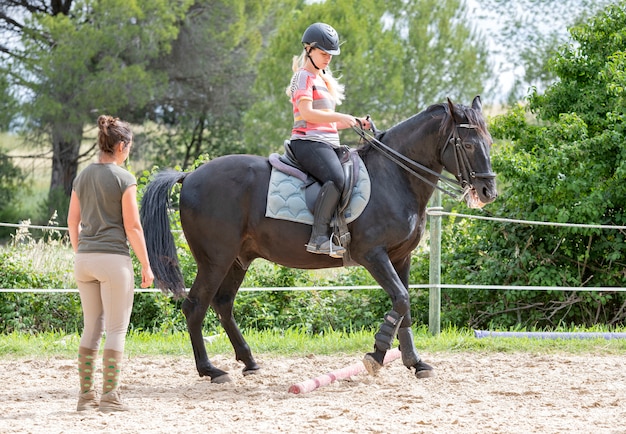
x=471 y=393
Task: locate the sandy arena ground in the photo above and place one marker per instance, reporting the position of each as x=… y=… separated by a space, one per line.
x=472 y=393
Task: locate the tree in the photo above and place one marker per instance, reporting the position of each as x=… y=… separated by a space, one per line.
x=568 y=165
x=398 y=57
x=11 y=185
x=8 y=105
x=526 y=34
x=73 y=60
x=210 y=70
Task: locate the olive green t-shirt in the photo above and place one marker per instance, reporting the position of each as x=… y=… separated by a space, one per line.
x=100 y=188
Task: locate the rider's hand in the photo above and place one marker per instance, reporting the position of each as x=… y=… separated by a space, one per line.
x=348 y=120
x=365 y=123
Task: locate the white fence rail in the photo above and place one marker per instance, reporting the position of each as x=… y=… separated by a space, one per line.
x=434 y=286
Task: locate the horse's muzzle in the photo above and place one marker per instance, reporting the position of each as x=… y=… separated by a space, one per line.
x=481 y=194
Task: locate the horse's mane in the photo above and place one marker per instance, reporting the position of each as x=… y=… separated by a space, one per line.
x=442 y=110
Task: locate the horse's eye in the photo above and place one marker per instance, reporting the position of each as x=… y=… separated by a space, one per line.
x=468 y=146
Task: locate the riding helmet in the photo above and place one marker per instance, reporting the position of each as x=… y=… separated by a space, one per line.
x=322 y=36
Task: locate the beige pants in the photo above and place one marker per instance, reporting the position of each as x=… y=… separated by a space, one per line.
x=105 y=284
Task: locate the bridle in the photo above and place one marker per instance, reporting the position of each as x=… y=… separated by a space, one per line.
x=456 y=188
x=464 y=171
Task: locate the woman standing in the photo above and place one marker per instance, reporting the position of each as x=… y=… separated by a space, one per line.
x=314 y=93
x=103 y=217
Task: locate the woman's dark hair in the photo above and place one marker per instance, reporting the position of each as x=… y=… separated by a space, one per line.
x=111 y=132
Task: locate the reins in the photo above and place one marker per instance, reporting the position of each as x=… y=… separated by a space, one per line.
x=454 y=188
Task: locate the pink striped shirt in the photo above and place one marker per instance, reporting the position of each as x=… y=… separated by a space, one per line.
x=305 y=85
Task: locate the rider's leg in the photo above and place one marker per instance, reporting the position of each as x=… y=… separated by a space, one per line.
x=321 y=161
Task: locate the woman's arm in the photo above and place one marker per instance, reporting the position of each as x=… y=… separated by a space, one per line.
x=134 y=233
x=309 y=114
x=73 y=220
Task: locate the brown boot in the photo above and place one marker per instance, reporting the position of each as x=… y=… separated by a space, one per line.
x=112 y=402
x=87 y=396
x=111 y=370
x=87 y=401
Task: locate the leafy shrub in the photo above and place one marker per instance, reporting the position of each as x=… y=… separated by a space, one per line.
x=32 y=312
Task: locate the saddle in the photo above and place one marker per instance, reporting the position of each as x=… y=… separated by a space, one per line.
x=355 y=176
x=349 y=163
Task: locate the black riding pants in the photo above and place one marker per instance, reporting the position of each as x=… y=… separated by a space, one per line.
x=320 y=160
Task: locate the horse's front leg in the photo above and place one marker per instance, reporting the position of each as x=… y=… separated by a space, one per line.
x=195 y=311
x=398 y=320
x=410 y=358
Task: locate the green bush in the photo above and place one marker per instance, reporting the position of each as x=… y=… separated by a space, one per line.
x=48 y=264
x=34 y=312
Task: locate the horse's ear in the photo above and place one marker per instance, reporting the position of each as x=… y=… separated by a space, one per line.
x=477 y=104
x=451 y=109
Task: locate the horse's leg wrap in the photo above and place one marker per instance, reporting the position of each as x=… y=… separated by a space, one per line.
x=388 y=330
x=383 y=341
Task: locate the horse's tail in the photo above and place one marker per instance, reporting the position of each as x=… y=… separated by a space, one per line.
x=159 y=239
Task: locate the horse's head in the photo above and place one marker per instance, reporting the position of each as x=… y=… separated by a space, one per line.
x=465 y=153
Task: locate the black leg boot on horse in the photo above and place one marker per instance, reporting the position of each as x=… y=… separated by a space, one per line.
x=383 y=342
x=321 y=239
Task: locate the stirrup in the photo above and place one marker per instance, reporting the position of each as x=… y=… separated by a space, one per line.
x=327 y=248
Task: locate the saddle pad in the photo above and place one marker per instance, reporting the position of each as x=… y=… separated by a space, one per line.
x=286 y=201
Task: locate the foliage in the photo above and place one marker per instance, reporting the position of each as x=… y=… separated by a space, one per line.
x=210 y=72
x=8 y=104
x=311 y=310
x=398 y=58
x=87 y=57
x=48 y=262
x=567 y=165
x=190 y=67
x=37 y=264
x=12 y=185
x=525 y=34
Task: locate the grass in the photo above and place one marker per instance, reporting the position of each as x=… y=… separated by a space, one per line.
x=297 y=343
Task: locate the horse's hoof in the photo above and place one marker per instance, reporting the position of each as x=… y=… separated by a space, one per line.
x=221 y=379
x=423 y=370
x=371 y=365
x=252 y=371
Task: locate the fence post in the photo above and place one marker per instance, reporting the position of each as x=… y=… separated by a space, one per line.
x=434 y=298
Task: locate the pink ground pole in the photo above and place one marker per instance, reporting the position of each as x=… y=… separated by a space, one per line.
x=338 y=374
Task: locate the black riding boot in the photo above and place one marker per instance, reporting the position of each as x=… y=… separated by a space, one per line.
x=325 y=206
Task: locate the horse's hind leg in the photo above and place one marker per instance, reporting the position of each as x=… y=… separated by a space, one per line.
x=223 y=305
x=195 y=307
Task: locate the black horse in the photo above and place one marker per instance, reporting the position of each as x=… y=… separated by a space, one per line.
x=222 y=212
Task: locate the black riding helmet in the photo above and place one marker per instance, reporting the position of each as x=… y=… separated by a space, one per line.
x=322 y=36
